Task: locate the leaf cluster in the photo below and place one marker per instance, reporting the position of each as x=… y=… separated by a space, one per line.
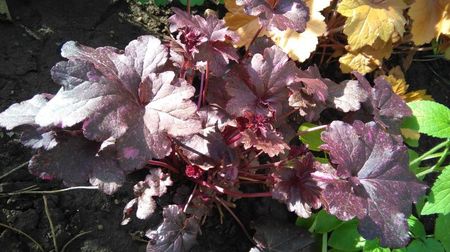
x=196 y=111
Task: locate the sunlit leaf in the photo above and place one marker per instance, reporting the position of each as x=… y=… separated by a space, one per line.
x=300 y=45
x=400 y=87
x=246 y=26
x=369 y=20
x=430 y=19
x=366 y=59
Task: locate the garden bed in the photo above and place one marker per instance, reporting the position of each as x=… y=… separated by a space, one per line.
x=29 y=47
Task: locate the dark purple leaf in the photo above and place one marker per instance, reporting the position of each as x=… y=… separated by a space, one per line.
x=294 y=185
x=272 y=143
x=278 y=14
x=177 y=233
x=170 y=113
x=208 y=148
x=273 y=236
x=218 y=56
x=257 y=131
x=210 y=28
x=309 y=93
x=387 y=108
x=75 y=160
x=203 y=39
x=119 y=96
x=374 y=183
x=37 y=137
x=261 y=86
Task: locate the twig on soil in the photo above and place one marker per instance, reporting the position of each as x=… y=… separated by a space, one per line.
x=13 y=170
x=50 y=222
x=24 y=234
x=237 y=220
x=73 y=239
x=49 y=192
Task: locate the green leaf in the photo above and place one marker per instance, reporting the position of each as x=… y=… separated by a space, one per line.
x=416 y=227
x=160 y=2
x=441 y=230
x=4 y=11
x=322 y=160
x=433 y=118
x=425 y=246
x=413 y=155
x=399 y=250
x=324 y=223
x=439 y=199
x=410 y=131
x=193 y=2
x=305 y=223
x=347 y=238
x=312 y=139
x=374 y=246
x=420 y=203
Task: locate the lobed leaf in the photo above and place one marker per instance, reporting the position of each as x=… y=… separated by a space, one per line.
x=176 y=233
x=24 y=112
x=296 y=187
x=374 y=185
x=369 y=20
x=438 y=200
x=429 y=20
x=261 y=85
x=431 y=118
x=278 y=15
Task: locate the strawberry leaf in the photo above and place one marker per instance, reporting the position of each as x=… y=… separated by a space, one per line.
x=374 y=183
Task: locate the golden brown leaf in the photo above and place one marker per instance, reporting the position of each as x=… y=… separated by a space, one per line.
x=300 y=45
x=366 y=59
x=246 y=26
x=370 y=20
x=400 y=87
x=430 y=19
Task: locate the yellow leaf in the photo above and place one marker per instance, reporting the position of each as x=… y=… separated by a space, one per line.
x=410 y=134
x=300 y=45
x=400 y=87
x=366 y=59
x=246 y=26
x=370 y=20
x=430 y=19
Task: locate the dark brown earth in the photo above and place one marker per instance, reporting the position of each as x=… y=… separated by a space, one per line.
x=29 y=47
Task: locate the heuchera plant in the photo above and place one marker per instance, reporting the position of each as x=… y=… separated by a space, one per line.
x=193 y=109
